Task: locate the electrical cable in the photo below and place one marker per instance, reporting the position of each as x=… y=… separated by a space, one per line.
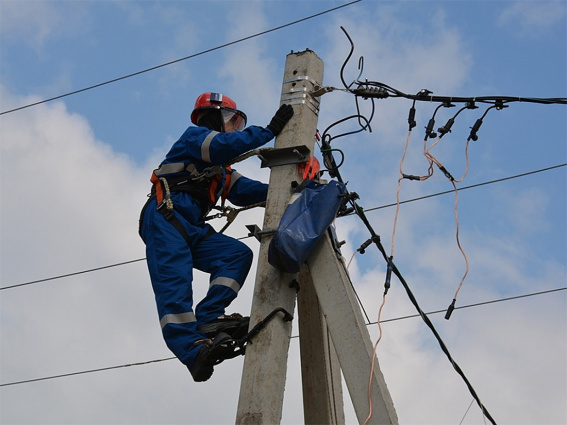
x=295 y=336
x=182 y=59
x=354 y=289
x=64 y=375
x=431 y=159
x=466 y=412
x=553 y=167
x=374 y=360
x=477 y=304
x=393 y=269
x=420 y=198
x=72 y=274
x=377 y=90
x=441 y=343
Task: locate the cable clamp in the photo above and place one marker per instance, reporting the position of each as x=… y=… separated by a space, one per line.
x=410 y=177
x=320 y=91
x=447 y=173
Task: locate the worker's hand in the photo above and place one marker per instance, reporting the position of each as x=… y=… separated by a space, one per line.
x=280 y=119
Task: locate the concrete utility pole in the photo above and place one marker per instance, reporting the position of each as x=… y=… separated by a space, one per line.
x=332 y=330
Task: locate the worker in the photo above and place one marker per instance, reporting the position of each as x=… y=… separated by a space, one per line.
x=188 y=183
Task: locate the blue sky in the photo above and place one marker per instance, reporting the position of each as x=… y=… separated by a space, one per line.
x=75 y=172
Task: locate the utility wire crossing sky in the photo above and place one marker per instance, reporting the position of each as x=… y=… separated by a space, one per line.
x=75 y=172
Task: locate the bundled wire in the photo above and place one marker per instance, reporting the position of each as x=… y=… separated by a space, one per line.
x=333 y=169
x=377 y=90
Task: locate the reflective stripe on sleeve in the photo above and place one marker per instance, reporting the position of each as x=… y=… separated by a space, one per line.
x=175 y=167
x=226 y=281
x=205 y=152
x=187 y=317
x=233 y=177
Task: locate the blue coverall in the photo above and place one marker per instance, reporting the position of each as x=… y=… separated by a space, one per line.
x=171 y=259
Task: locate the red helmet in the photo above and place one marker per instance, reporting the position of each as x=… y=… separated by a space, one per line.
x=227 y=107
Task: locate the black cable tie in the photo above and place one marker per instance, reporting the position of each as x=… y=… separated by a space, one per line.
x=388 y=275
x=411 y=118
x=447 y=127
x=365 y=245
x=447 y=174
x=450 y=310
x=411 y=177
x=474 y=129
x=429 y=129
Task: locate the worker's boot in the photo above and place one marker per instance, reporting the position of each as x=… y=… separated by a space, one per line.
x=234 y=325
x=213 y=352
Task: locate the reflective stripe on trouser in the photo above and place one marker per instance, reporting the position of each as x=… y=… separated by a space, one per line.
x=187 y=317
x=170 y=263
x=228 y=261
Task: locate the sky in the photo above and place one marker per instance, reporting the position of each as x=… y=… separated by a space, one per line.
x=75 y=173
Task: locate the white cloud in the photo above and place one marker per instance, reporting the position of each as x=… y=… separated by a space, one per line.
x=34 y=23
x=51 y=161
x=71 y=202
x=248 y=67
x=533 y=17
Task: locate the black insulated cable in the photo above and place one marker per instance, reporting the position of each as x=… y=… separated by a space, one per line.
x=212 y=49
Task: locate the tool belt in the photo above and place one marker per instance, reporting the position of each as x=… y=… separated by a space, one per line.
x=197 y=188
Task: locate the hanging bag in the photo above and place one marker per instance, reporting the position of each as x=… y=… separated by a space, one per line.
x=306 y=218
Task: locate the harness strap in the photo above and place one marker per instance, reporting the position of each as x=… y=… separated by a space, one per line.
x=174 y=221
x=195 y=185
x=158 y=189
x=170 y=216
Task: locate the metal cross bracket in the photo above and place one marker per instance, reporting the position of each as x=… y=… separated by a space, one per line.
x=284 y=156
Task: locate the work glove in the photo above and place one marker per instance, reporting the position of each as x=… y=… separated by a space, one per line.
x=280 y=119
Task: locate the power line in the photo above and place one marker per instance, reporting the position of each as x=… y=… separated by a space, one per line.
x=368 y=324
x=245 y=237
x=72 y=274
x=473 y=305
x=212 y=49
x=102 y=369
x=471 y=186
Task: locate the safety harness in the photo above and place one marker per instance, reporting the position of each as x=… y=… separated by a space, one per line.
x=205 y=187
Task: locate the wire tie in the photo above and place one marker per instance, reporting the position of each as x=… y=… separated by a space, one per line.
x=450 y=310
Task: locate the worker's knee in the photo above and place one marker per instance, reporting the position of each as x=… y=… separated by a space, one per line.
x=246 y=254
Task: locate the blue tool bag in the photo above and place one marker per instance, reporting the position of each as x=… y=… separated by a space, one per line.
x=305 y=220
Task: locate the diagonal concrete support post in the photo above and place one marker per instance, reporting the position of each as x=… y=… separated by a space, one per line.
x=329 y=308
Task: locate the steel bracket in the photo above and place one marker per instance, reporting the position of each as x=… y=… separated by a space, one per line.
x=284 y=156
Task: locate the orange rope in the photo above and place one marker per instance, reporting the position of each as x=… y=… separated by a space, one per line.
x=398 y=194
x=373 y=361
x=433 y=160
